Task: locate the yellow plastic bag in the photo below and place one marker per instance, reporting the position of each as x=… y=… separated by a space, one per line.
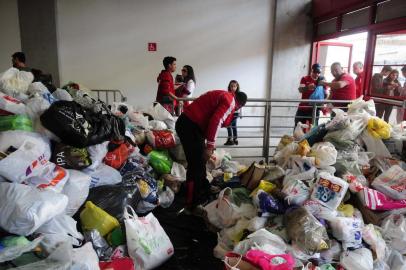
x=346 y=209
x=378 y=128
x=304 y=148
x=93 y=217
x=265 y=186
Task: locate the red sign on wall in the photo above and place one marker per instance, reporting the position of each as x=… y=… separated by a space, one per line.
x=152 y=46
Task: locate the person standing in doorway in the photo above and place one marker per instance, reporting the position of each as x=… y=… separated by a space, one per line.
x=343 y=85
x=401 y=115
x=378 y=89
x=197 y=129
x=307 y=86
x=233 y=87
x=391 y=88
x=166 y=89
x=187 y=86
x=358 y=69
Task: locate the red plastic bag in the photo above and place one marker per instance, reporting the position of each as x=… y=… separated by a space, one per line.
x=161 y=139
x=118 y=154
x=118 y=264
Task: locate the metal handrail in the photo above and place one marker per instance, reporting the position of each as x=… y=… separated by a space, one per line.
x=107 y=92
x=267 y=130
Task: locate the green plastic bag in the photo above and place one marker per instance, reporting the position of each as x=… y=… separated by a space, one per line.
x=160 y=161
x=15 y=122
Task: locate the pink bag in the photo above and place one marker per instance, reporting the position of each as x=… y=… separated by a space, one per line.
x=270 y=262
x=376 y=200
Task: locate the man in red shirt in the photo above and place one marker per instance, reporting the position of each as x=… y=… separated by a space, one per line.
x=166 y=89
x=307 y=85
x=343 y=85
x=197 y=129
x=358 y=69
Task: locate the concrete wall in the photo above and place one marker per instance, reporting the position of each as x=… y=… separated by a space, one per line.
x=103 y=44
x=38 y=35
x=9 y=32
x=291 y=56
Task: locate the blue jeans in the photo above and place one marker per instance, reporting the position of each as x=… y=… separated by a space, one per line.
x=232 y=129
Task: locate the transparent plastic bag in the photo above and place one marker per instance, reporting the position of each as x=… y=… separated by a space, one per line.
x=359 y=259
x=392 y=183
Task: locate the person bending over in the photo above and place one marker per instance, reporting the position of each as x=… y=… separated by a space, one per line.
x=197 y=129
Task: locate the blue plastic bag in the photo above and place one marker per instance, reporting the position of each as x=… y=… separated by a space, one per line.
x=318 y=93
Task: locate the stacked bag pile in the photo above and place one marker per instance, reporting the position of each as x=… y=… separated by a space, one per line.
x=74 y=174
x=332 y=198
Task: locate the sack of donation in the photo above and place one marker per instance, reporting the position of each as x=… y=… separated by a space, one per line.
x=10 y=105
x=329 y=190
x=392 y=183
x=148 y=244
x=161 y=139
x=251 y=177
x=70 y=157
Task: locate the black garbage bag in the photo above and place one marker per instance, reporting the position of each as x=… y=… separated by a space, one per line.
x=70 y=157
x=114 y=198
x=80 y=127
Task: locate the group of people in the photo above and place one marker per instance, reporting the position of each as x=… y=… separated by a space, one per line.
x=169 y=92
x=345 y=87
x=198 y=123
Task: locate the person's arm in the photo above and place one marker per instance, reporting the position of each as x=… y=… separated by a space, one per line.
x=377 y=85
x=335 y=85
x=224 y=108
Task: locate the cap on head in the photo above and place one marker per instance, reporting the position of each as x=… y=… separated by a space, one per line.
x=316 y=68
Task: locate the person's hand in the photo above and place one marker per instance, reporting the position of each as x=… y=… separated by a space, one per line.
x=207 y=154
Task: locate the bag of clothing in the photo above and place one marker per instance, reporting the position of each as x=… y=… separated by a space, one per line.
x=329 y=190
x=161 y=139
x=119 y=151
x=70 y=157
x=318 y=93
x=251 y=177
x=160 y=161
x=81 y=127
x=392 y=183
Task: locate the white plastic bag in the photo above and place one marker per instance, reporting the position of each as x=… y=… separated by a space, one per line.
x=37 y=88
x=61 y=94
x=359 y=259
x=148 y=244
x=394 y=232
x=12 y=105
x=348 y=230
x=296 y=192
x=16 y=138
x=298 y=132
x=97 y=153
x=158 y=112
x=36 y=106
x=85 y=258
x=23 y=209
x=283 y=156
x=329 y=190
x=325 y=154
x=157 y=125
x=28 y=165
x=178 y=171
x=263 y=240
x=374 y=145
x=103 y=175
x=77 y=190
x=14 y=81
x=139 y=120
x=62 y=224
x=360 y=106
x=373 y=238
x=392 y=183
x=222 y=212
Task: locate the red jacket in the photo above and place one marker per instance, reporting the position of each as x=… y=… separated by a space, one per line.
x=211 y=111
x=165 y=86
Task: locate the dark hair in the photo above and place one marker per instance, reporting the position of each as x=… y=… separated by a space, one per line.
x=387 y=68
x=316 y=68
x=178 y=78
x=190 y=74
x=167 y=61
x=20 y=56
x=403 y=68
x=229 y=86
x=123 y=109
x=241 y=97
x=394 y=71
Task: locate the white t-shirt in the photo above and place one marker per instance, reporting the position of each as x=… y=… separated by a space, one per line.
x=190 y=86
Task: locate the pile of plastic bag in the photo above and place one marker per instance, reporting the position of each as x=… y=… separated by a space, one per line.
x=333 y=197
x=74 y=174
